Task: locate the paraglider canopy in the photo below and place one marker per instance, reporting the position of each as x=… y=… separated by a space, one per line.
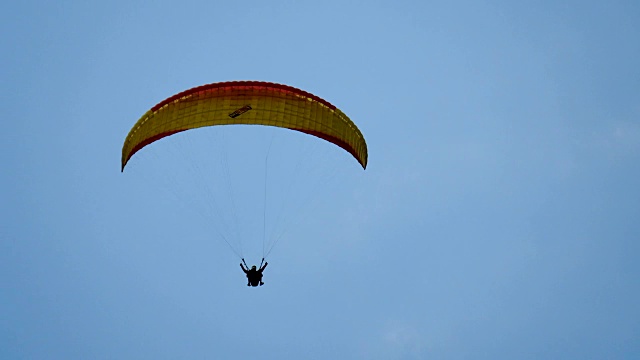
x=248 y=103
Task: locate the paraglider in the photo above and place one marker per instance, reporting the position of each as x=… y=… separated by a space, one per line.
x=246 y=103
x=254 y=275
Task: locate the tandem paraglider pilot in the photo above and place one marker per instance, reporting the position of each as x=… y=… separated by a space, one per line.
x=254 y=275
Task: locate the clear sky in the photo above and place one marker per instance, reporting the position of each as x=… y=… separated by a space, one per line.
x=499 y=216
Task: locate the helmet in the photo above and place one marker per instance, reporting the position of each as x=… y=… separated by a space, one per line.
x=253 y=267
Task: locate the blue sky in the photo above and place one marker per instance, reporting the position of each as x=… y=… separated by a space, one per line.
x=498 y=216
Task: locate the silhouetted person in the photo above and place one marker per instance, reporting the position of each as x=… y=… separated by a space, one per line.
x=254 y=275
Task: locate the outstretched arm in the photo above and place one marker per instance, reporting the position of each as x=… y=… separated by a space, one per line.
x=242 y=267
x=264 y=266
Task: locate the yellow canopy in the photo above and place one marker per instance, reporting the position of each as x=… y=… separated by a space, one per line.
x=249 y=103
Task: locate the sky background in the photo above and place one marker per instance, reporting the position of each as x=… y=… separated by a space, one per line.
x=498 y=217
